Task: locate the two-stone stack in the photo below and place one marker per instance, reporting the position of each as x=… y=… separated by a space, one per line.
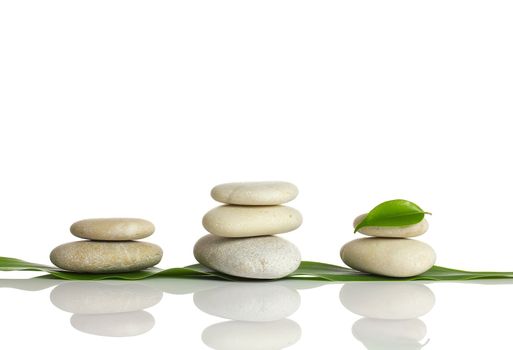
x=389 y=252
x=110 y=246
x=241 y=241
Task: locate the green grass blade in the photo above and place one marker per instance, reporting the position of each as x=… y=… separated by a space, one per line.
x=307 y=270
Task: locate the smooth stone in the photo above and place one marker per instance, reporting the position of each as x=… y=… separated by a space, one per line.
x=106 y=257
x=241 y=221
x=266 y=257
x=237 y=335
x=124 y=324
x=255 y=193
x=387 y=300
x=392 y=257
x=262 y=302
x=392 y=231
x=112 y=229
x=88 y=297
x=390 y=334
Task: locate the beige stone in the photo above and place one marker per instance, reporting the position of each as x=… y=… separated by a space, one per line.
x=266 y=257
x=122 y=324
x=392 y=231
x=106 y=257
x=112 y=229
x=393 y=257
x=255 y=193
x=244 y=221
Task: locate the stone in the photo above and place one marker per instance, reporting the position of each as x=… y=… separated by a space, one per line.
x=112 y=229
x=243 y=221
x=392 y=257
x=106 y=257
x=88 y=297
x=123 y=324
x=237 y=335
x=390 y=334
x=255 y=193
x=392 y=231
x=262 y=302
x=387 y=300
x=266 y=257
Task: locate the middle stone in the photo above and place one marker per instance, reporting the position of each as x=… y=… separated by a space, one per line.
x=250 y=221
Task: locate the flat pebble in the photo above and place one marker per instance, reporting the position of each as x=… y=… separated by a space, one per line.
x=393 y=257
x=390 y=334
x=255 y=193
x=112 y=229
x=392 y=231
x=106 y=257
x=123 y=324
x=237 y=335
x=387 y=300
x=88 y=297
x=241 y=221
x=266 y=257
x=262 y=302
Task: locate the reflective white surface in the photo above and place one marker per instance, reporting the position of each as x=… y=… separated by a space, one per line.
x=203 y=314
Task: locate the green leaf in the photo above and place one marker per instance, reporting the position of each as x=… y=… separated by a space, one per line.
x=308 y=270
x=397 y=212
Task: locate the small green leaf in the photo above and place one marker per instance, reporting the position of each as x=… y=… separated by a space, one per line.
x=397 y=212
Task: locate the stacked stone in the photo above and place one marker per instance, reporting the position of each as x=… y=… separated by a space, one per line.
x=241 y=241
x=391 y=313
x=389 y=252
x=112 y=309
x=110 y=247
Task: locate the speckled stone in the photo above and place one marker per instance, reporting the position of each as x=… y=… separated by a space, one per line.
x=112 y=229
x=255 y=193
x=392 y=231
x=393 y=257
x=387 y=300
x=123 y=324
x=262 y=302
x=266 y=257
x=106 y=257
x=88 y=297
x=237 y=335
x=243 y=221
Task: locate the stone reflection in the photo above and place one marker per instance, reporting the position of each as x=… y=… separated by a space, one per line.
x=113 y=308
x=258 y=314
x=390 y=311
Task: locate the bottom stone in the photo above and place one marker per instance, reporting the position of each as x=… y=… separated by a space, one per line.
x=106 y=257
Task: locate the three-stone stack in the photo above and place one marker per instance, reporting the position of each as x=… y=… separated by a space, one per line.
x=389 y=252
x=110 y=246
x=241 y=241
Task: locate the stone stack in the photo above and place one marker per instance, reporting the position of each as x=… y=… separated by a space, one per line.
x=389 y=252
x=241 y=241
x=110 y=247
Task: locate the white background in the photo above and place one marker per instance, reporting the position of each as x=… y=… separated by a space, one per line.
x=134 y=108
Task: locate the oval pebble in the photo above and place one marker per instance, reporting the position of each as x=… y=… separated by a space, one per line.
x=87 y=297
x=392 y=231
x=237 y=335
x=252 y=302
x=240 y=221
x=387 y=300
x=390 y=334
x=392 y=257
x=106 y=257
x=255 y=193
x=123 y=324
x=112 y=229
x=266 y=257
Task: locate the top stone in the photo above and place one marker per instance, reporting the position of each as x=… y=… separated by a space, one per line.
x=112 y=229
x=255 y=193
